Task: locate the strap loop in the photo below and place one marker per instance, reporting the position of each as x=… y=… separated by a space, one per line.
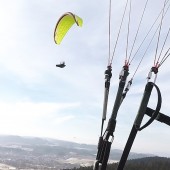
x=156 y=112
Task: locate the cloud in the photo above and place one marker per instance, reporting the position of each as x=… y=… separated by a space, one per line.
x=23 y=117
x=64 y=119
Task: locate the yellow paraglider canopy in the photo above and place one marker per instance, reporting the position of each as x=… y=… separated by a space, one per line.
x=64 y=24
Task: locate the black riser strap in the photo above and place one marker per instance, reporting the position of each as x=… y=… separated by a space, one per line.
x=161 y=117
x=156 y=112
x=127 y=148
x=143 y=105
x=100 y=144
x=138 y=121
x=103 y=150
x=106 y=156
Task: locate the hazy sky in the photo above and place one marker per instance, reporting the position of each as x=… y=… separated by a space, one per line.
x=38 y=99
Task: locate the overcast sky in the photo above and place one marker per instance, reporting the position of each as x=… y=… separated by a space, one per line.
x=38 y=99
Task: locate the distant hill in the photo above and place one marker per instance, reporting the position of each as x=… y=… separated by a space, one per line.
x=149 y=163
x=45 y=153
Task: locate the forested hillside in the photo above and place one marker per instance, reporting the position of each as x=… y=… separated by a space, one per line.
x=150 y=163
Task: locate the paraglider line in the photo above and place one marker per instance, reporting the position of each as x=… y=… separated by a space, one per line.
x=163 y=46
x=150 y=31
x=164 y=59
x=119 y=32
x=144 y=54
x=138 y=29
x=159 y=33
x=128 y=32
x=110 y=9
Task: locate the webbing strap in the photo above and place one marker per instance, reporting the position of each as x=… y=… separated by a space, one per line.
x=156 y=112
x=161 y=117
x=136 y=126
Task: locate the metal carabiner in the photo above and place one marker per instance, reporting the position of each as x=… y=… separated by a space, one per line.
x=154 y=70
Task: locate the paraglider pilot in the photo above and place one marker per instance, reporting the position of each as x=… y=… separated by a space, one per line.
x=61 y=65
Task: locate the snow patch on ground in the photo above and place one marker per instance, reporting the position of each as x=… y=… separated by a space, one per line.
x=81 y=162
x=6 y=167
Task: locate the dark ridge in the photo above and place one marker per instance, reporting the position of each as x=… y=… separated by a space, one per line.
x=149 y=163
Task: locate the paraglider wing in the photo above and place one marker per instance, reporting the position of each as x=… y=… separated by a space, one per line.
x=64 y=24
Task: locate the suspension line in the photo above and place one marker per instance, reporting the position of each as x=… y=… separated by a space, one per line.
x=119 y=31
x=138 y=30
x=164 y=58
x=110 y=9
x=144 y=54
x=126 y=62
x=150 y=31
x=159 y=33
x=163 y=47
